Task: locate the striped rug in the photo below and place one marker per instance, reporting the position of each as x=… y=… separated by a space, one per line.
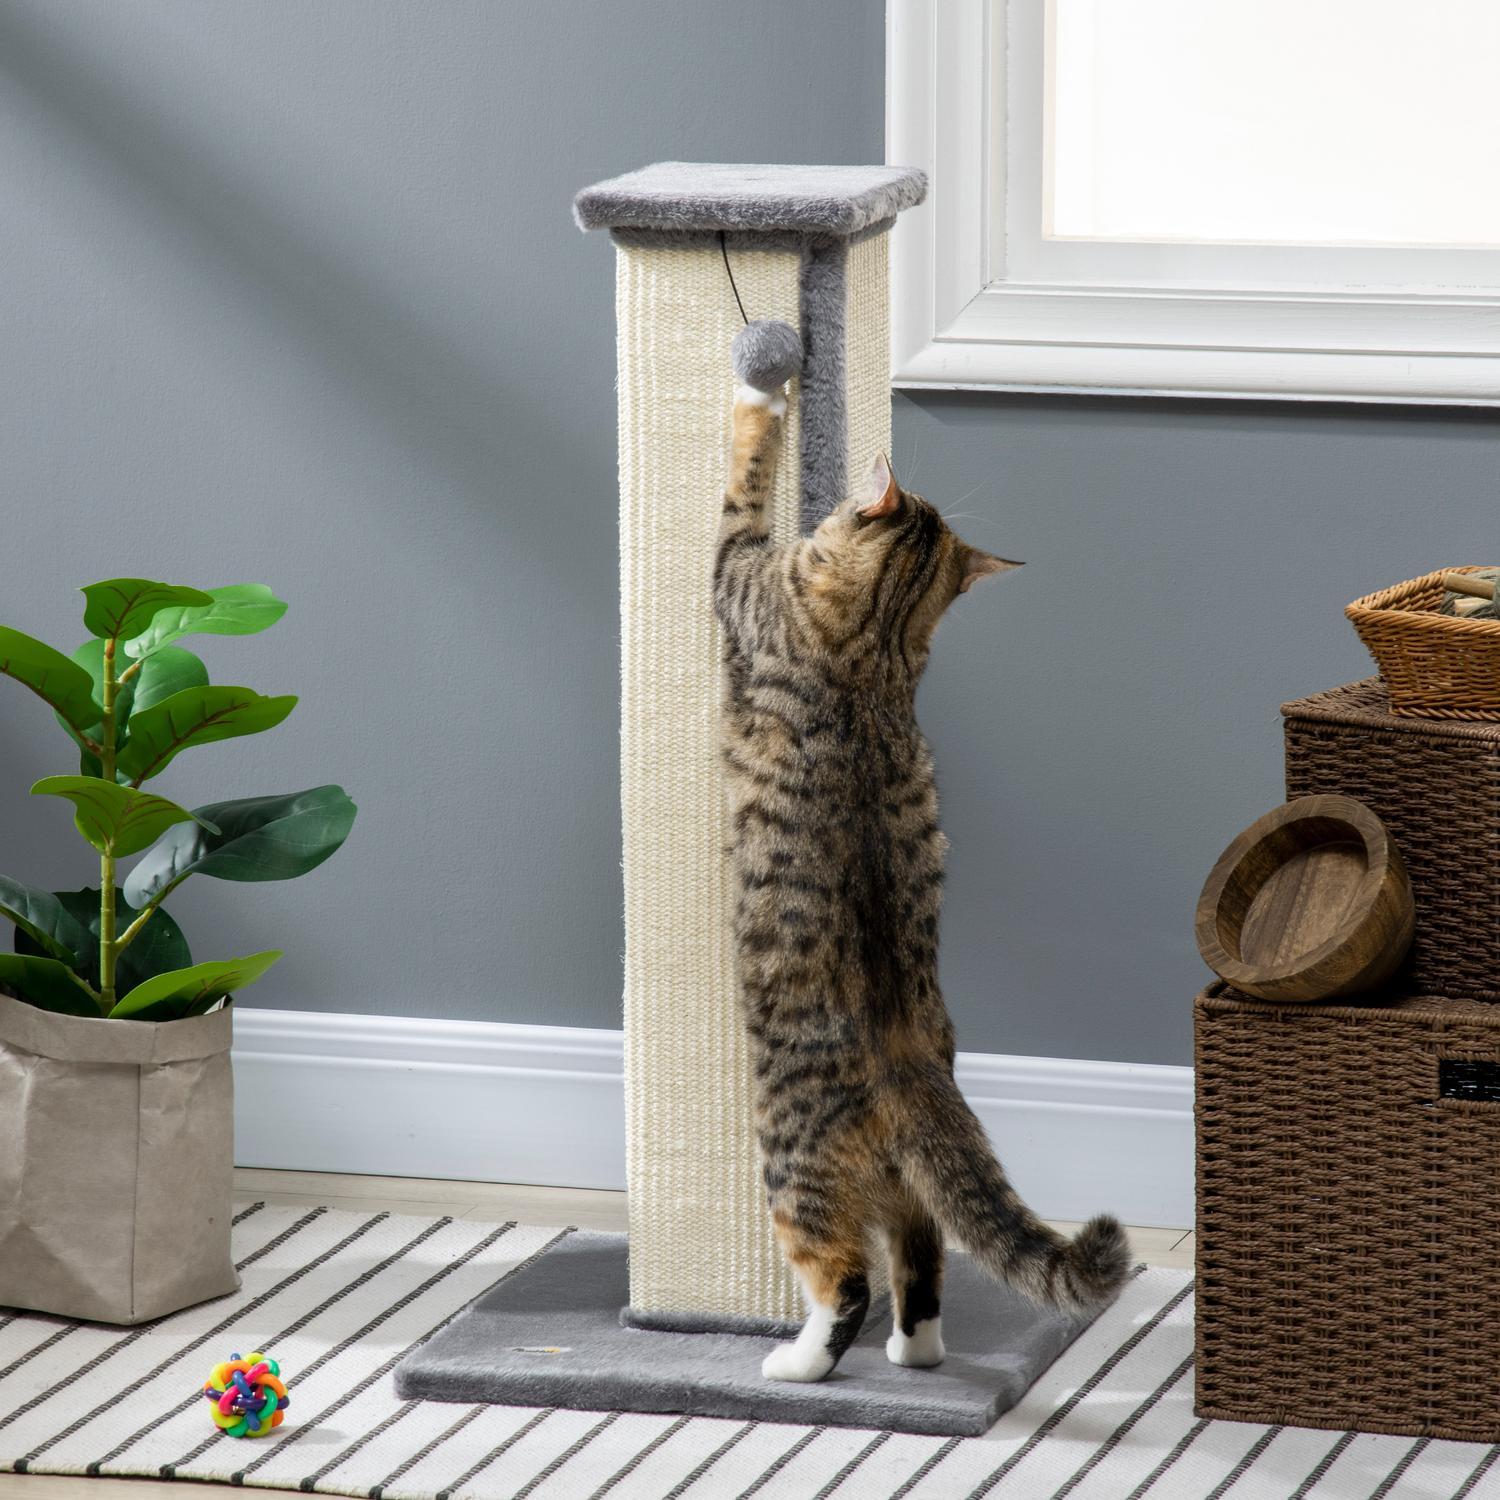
x=339 y=1298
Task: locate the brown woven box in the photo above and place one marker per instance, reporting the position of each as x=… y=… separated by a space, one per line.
x=1436 y=785
x=1348 y=1235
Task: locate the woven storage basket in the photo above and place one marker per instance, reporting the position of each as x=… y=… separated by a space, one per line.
x=1436 y=786
x=1348 y=1236
x=1435 y=666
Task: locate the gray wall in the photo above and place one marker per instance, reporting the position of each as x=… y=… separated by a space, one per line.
x=290 y=294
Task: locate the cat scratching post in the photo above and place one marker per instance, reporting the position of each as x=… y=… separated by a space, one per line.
x=807 y=245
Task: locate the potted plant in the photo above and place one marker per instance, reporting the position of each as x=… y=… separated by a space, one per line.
x=116 y=1096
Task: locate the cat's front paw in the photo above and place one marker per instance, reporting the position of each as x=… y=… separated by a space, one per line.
x=794 y=1362
x=773 y=401
x=919 y=1350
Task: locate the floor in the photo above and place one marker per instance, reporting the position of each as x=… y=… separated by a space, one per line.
x=586 y=1208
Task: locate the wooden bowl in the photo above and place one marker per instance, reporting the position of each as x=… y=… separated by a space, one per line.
x=1309 y=903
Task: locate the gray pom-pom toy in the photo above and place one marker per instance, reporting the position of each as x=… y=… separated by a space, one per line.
x=766 y=354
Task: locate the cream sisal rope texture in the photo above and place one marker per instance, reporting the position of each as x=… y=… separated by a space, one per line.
x=700 y=1236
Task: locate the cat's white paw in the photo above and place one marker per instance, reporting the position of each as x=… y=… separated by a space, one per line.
x=773 y=401
x=920 y=1350
x=796 y=1362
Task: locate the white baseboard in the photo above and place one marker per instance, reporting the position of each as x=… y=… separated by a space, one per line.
x=490 y=1101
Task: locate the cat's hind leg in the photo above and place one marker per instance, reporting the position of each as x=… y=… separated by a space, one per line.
x=916 y=1255
x=835 y=1284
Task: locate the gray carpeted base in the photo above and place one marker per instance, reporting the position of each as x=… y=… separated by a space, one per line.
x=550 y=1335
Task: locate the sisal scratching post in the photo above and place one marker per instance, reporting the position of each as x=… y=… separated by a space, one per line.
x=807 y=245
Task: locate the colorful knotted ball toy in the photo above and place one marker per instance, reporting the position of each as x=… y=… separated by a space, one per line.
x=248 y=1396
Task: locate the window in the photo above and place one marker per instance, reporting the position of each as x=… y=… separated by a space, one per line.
x=1294 y=198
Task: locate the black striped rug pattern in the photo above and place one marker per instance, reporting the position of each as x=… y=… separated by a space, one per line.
x=340 y=1298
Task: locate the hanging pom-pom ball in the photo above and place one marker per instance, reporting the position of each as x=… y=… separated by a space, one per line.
x=766 y=354
x=247 y=1396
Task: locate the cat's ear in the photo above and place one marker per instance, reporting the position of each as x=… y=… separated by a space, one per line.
x=977 y=565
x=882 y=495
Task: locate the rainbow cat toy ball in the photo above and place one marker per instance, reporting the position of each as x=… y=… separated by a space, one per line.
x=248 y=1396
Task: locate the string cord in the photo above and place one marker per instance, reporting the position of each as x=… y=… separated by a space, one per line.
x=724 y=251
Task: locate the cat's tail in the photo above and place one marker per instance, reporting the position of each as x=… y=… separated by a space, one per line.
x=947 y=1162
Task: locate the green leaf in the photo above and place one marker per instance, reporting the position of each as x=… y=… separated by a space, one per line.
x=157 y=947
x=120 y=608
x=182 y=992
x=43 y=918
x=259 y=838
x=195 y=716
x=114 y=819
x=51 y=676
x=45 y=983
x=165 y=672
x=237 y=609
x=168 y=671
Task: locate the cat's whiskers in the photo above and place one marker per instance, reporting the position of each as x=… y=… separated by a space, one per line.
x=910 y=472
x=969 y=515
x=963 y=499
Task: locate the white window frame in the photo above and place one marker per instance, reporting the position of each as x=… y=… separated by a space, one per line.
x=963 y=318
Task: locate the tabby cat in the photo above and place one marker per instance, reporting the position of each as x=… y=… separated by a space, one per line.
x=838 y=863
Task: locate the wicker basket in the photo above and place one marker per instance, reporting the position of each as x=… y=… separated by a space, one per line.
x=1348 y=1236
x=1436 y=787
x=1435 y=666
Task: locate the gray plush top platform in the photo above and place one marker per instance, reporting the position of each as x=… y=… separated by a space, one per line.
x=698 y=196
x=550 y=1335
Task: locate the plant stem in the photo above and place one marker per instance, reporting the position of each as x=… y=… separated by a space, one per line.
x=128 y=935
x=107 y=946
